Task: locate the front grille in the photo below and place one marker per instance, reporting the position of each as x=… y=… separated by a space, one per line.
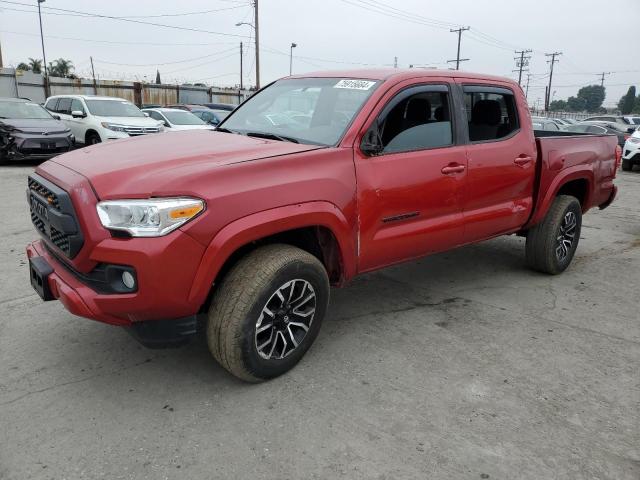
x=53 y=216
x=44 y=151
x=44 y=192
x=134 y=131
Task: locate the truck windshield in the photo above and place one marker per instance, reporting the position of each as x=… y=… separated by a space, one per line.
x=113 y=108
x=23 y=110
x=307 y=110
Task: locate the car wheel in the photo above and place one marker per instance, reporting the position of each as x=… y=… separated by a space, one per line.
x=267 y=312
x=552 y=243
x=627 y=166
x=93 y=138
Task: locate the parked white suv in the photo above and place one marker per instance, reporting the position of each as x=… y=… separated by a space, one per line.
x=97 y=119
x=631 y=152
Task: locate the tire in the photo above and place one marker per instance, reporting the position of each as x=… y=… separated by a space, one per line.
x=93 y=138
x=249 y=290
x=627 y=166
x=547 y=249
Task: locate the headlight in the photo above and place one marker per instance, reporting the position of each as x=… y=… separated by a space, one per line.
x=634 y=139
x=114 y=127
x=161 y=128
x=153 y=217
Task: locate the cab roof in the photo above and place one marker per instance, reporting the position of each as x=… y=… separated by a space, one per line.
x=399 y=74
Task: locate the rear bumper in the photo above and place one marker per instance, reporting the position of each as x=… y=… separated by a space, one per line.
x=611 y=198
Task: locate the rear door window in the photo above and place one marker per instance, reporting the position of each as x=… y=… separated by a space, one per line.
x=491 y=113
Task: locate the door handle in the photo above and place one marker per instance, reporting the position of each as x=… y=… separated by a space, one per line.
x=523 y=160
x=449 y=169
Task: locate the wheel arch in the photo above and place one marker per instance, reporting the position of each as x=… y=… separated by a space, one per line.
x=317 y=227
x=90 y=132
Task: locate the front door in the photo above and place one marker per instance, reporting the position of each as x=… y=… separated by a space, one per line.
x=410 y=174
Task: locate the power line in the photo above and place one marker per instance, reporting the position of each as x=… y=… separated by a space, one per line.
x=458 y=59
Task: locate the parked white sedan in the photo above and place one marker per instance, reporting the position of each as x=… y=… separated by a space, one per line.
x=175 y=119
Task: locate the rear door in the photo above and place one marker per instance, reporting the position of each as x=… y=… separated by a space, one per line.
x=411 y=168
x=501 y=160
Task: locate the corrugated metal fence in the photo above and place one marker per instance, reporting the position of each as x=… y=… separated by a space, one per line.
x=29 y=85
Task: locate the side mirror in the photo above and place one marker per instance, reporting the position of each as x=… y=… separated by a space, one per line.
x=145 y=114
x=57 y=117
x=78 y=114
x=166 y=124
x=371 y=144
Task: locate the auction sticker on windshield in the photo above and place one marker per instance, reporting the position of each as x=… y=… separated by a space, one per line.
x=355 y=84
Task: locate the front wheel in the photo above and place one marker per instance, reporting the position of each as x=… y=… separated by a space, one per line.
x=93 y=138
x=552 y=243
x=267 y=312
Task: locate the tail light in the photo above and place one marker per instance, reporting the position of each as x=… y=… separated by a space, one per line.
x=618 y=156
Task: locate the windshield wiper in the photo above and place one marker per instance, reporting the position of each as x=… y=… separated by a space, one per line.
x=224 y=130
x=272 y=136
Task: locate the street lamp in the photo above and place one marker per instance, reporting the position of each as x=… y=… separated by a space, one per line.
x=44 y=58
x=293 y=45
x=257 y=37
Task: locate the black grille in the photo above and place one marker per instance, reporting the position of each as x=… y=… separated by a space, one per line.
x=53 y=216
x=44 y=192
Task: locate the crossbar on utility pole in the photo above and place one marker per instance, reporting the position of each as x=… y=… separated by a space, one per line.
x=523 y=61
x=458 y=59
x=601 y=75
x=552 y=62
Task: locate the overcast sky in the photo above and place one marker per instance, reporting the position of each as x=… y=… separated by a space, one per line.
x=334 y=34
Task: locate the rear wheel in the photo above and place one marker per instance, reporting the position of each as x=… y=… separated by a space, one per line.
x=627 y=166
x=267 y=312
x=552 y=243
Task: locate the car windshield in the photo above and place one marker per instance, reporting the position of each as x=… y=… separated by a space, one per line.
x=635 y=120
x=182 y=118
x=113 y=108
x=23 y=110
x=307 y=110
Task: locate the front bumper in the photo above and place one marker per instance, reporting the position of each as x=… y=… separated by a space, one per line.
x=631 y=151
x=165 y=269
x=38 y=147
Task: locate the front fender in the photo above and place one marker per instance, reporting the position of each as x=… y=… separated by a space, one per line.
x=270 y=222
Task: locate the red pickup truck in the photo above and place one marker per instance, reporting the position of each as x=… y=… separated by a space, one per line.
x=313 y=180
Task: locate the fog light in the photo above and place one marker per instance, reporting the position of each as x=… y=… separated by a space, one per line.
x=128 y=280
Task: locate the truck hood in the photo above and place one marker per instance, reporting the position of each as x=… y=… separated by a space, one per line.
x=166 y=163
x=34 y=125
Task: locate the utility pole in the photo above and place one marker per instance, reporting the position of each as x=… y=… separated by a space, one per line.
x=44 y=57
x=602 y=78
x=458 y=59
x=526 y=92
x=93 y=74
x=257 y=29
x=552 y=62
x=521 y=63
x=293 y=45
x=395 y=62
x=1 y=66
x=241 y=48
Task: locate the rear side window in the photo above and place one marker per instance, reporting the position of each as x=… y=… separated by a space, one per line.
x=64 y=106
x=491 y=113
x=417 y=121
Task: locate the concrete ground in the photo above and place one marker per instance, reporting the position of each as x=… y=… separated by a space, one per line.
x=465 y=365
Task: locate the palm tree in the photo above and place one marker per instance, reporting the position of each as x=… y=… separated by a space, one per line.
x=35 y=65
x=61 y=68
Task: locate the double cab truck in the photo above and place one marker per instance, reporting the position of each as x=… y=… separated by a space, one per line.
x=317 y=178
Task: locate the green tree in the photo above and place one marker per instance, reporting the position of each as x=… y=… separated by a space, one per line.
x=23 y=66
x=593 y=96
x=35 y=65
x=61 y=68
x=558 y=105
x=576 y=104
x=628 y=101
